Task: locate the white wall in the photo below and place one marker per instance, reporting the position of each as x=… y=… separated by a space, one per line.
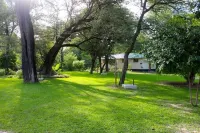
x=141 y=64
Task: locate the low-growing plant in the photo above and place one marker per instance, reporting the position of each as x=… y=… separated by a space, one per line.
x=79 y=65
x=19 y=74
x=11 y=72
x=2 y=72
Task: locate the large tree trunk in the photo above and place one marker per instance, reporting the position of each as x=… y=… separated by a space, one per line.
x=49 y=60
x=106 y=62
x=124 y=69
x=27 y=39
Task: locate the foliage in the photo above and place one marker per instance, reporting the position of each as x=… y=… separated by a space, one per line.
x=107 y=32
x=175 y=46
x=19 y=74
x=79 y=65
x=69 y=58
x=8 y=59
x=2 y=72
x=11 y=72
x=56 y=67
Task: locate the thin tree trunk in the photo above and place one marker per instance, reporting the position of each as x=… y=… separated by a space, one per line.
x=61 y=58
x=190 y=83
x=107 y=62
x=93 y=65
x=124 y=69
x=7 y=49
x=28 y=42
x=129 y=50
x=190 y=90
x=197 y=93
x=100 y=67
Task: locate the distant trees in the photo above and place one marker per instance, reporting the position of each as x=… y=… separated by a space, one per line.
x=27 y=40
x=113 y=24
x=8 y=23
x=77 y=23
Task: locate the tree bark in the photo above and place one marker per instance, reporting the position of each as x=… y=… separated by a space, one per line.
x=100 y=66
x=61 y=58
x=124 y=69
x=49 y=60
x=27 y=40
x=129 y=50
x=106 y=62
x=7 y=49
x=93 y=65
x=191 y=78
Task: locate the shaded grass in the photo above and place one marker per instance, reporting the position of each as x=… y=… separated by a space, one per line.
x=87 y=103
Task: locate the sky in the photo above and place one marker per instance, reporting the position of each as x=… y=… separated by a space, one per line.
x=62 y=15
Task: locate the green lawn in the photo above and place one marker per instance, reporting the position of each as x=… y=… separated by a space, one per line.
x=88 y=103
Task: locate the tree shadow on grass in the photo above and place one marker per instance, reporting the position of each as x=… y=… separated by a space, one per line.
x=61 y=106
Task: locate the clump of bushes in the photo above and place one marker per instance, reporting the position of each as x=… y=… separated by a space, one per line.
x=2 y=72
x=69 y=59
x=79 y=65
x=19 y=74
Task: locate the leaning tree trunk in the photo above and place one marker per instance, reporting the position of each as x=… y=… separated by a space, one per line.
x=129 y=50
x=27 y=39
x=49 y=60
x=124 y=69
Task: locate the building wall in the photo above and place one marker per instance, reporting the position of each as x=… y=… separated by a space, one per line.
x=136 y=64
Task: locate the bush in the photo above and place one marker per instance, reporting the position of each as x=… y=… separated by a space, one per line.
x=11 y=72
x=68 y=61
x=2 y=72
x=8 y=60
x=19 y=74
x=79 y=65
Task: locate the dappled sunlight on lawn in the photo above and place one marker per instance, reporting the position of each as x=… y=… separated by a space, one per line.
x=88 y=103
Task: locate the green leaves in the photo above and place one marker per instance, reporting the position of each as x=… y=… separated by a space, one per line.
x=176 y=45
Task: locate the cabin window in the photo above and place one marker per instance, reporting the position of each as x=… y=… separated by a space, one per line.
x=135 y=60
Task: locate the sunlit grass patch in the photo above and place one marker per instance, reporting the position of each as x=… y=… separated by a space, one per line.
x=88 y=103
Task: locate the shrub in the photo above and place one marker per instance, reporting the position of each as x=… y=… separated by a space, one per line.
x=11 y=72
x=19 y=74
x=2 y=72
x=8 y=60
x=68 y=61
x=79 y=65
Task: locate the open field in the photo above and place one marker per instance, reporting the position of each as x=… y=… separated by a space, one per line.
x=88 y=103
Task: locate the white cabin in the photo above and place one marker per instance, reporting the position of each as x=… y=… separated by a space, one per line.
x=136 y=62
